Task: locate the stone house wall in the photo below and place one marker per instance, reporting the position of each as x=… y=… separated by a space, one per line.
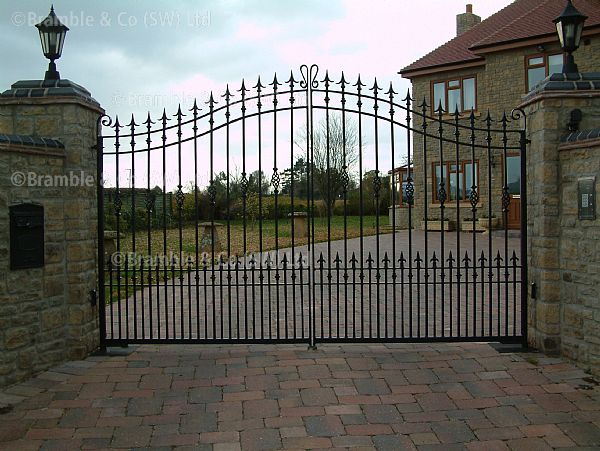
x=501 y=86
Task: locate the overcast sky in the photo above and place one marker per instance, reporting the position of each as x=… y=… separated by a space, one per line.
x=140 y=56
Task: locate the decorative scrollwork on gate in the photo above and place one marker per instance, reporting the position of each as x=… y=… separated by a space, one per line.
x=309 y=76
x=179 y=197
x=505 y=198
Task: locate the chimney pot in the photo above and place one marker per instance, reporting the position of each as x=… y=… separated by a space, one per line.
x=469 y=8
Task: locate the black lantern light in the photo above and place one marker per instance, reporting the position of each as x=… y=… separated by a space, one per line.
x=52 y=35
x=569 y=26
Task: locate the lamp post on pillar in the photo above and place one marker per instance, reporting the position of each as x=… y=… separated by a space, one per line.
x=569 y=26
x=52 y=36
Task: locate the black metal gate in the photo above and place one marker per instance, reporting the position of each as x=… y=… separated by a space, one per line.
x=312 y=210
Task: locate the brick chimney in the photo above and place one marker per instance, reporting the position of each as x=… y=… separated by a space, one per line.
x=466 y=20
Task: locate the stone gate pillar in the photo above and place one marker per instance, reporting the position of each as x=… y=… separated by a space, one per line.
x=47 y=158
x=552 y=205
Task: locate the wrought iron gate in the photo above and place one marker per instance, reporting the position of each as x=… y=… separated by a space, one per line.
x=267 y=215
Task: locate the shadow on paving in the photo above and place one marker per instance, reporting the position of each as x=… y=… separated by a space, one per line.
x=262 y=397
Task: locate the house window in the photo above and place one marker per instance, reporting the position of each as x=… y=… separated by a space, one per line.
x=401 y=182
x=455 y=94
x=457 y=179
x=540 y=66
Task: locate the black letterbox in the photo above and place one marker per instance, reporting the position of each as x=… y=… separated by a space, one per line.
x=26 y=236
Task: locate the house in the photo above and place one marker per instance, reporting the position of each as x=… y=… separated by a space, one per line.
x=489 y=66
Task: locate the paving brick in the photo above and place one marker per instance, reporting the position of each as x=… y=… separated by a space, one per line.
x=362 y=363
x=371 y=386
x=293 y=431
x=424 y=438
x=343 y=409
x=241 y=425
x=435 y=401
x=174 y=440
x=368 y=429
x=381 y=414
x=314 y=372
x=559 y=441
x=540 y=430
x=466 y=365
x=261 y=408
x=303 y=443
x=219 y=437
x=420 y=376
x=353 y=418
x=505 y=416
x=504 y=433
x=243 y=395
x=144 y=406
x=551 y=402
x=80 y=417
x=324 y=426
x=50 y=433
x=302 y=411
x=352 y=441
x=132 y=437
x=260 y=439
x=528 y=377
x=453 y=431
x=318 y=396
x=483 y=389
x=225 y=447
x=261 y=382
x=530 y=444
x=281 y=422
x=205 y=395
x=198 y=422
x=489 y=445
x=393 y=443
x=360 y=399
x=584 y=434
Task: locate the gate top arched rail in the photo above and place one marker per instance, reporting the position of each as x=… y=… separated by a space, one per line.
x=342 y=96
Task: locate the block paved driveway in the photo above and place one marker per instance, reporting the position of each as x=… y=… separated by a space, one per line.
x=385 y=397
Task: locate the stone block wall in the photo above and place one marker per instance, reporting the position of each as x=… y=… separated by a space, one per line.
x=563 y=256
x=579 y=256
x=46 y=316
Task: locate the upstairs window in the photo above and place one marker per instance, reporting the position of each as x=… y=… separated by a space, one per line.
x=540 y=66
x=455 y=93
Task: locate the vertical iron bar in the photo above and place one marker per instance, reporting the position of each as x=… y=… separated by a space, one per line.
x=118 y=206
x=132 y=125
x=458 y=221
x=361 y=275
x=391 y=93
x=100 y=240
x=377 y=189
x=195 y=110
x=164 y=219
x=244 y=187
x=259 y=87
x=149 y=213
x=474 y=198
x=346 y=181
x=179 y=199
x=523 y=244
x=291 y=82
x=505 y=207
x=424 y=126
x=275 y=183
x=212 y=194
x=488 y=139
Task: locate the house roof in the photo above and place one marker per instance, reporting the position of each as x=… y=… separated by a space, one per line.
x=519 y=21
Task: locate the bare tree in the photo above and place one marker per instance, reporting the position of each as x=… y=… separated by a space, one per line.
x=335 y=152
